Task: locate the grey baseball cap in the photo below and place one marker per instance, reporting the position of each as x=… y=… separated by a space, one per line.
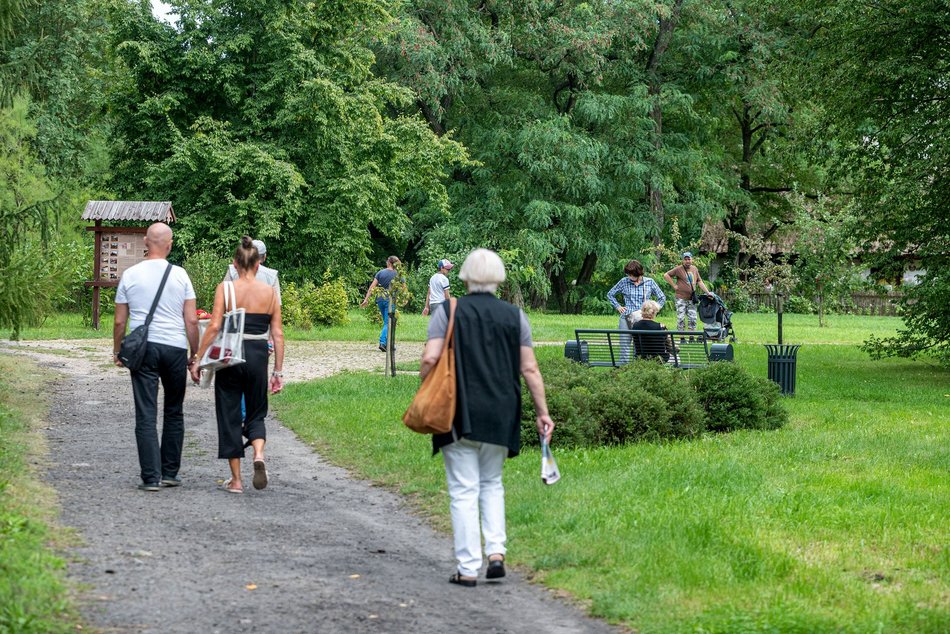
x=261 y=247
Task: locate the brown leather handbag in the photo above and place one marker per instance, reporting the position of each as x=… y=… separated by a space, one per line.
x=433 y=407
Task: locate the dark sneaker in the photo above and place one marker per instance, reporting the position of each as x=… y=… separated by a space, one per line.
x=382 y=347
x=149 y=486
x=171 y=481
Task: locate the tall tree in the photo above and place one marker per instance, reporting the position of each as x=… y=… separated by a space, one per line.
x=264 y=116
x=574 y=113
x=49 y=137
x=883 y=70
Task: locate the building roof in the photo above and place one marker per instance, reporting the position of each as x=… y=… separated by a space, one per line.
x=715 y=239
x=151 y=211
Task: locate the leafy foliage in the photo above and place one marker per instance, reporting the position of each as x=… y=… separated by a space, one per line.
x=881 y=70
x=575 y=125
x=206 y=268
x=734 y=399
x=265 y=118
x=647 y=401
x=34 y=273
x=305 y=305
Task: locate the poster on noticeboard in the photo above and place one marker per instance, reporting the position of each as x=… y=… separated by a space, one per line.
x=118 y=251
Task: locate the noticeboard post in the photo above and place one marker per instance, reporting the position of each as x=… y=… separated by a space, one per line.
x=119 y=248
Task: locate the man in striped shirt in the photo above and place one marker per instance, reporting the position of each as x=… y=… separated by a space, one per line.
x=635 y=289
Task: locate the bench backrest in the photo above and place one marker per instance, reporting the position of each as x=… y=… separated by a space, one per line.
x=613 y=348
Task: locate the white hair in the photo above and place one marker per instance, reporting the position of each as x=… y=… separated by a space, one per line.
x=482 y=271
x=650 y=308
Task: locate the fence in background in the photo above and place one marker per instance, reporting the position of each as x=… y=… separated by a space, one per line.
x=860 y=304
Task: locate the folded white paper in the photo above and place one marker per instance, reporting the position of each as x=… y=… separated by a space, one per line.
x=549 y=471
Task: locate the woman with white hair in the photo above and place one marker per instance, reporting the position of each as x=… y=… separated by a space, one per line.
x=652 y=345
x=492 y=348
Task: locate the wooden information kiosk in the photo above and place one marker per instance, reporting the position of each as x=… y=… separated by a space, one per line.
x=118 y=248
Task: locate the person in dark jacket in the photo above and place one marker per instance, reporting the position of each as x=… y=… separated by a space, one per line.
x=652 y=345
x=493 y=349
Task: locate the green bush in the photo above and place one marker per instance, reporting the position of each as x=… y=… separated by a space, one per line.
x=32 y=282
x=292 y=308
x=327 y=303
x=734 y=399
x=800 y=305
x=306 y=305
x=75 y=262
x=206 y=270
x=649 y=401
x=641 y=401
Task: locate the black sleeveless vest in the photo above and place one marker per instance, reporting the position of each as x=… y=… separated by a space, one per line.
x=488 y=373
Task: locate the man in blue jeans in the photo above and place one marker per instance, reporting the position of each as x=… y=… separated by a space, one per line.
x=173 y=331
x=383 y=278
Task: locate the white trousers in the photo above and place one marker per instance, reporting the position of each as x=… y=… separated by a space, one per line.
x=473 y=471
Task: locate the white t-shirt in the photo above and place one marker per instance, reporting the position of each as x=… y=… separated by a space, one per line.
x=137 y=288
x=264 y=274
x=438 y=284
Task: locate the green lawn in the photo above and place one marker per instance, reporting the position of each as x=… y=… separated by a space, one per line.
x=750 y=328
x=32 y=589
x=836 y=523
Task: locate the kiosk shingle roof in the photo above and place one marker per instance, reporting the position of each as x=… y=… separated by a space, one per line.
x=152 y=211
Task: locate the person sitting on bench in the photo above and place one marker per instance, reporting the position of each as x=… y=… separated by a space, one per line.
x=651 y=345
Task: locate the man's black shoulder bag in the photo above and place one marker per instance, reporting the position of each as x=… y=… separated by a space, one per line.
x=132 y=350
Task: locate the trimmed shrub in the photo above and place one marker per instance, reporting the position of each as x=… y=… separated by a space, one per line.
x=641 y=401
x=734 y=399
x=649 y=401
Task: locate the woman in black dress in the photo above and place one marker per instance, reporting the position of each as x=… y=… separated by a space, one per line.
x=249 y=379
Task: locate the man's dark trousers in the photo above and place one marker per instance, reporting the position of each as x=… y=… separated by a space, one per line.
x=168 y=364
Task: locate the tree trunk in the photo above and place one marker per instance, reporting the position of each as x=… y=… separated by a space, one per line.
x=583 y=279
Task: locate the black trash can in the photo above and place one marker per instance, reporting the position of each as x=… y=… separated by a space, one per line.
x=783 y=360
x=576 y=351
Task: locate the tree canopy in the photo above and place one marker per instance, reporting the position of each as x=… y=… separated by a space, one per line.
x=571 y=136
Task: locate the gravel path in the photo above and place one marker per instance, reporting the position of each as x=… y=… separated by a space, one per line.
x=317 y=551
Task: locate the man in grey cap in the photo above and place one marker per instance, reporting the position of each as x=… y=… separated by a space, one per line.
x=438 y=292
x=684 y=279
x=264 y=273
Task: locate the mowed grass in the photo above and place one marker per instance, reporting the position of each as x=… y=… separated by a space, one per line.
x=546 y=327
x=840 y=522
x=33 y=596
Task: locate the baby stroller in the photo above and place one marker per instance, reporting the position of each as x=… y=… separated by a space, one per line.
x=716 y=318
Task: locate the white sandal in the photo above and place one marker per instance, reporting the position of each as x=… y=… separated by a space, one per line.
x=227 y=487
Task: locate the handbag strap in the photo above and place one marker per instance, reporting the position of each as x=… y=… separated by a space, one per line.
x=450 y=329
x=161 y=287
x=229 y=296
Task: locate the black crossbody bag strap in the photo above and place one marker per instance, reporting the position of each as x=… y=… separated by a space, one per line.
x=158 y=295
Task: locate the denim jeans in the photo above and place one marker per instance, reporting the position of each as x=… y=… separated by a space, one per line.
x=167 y=364
x=383 y=305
